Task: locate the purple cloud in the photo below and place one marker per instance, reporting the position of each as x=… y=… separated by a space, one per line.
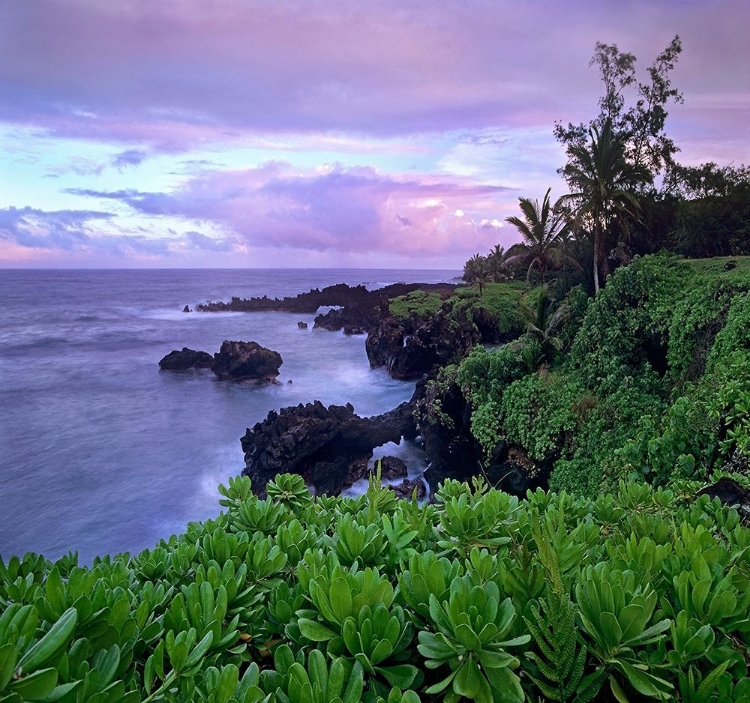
x=129 y=157
x=178 y=74
x=354 y=210
x=62 y=229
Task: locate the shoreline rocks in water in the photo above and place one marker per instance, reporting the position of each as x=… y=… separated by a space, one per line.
x=237 y=361
x=329 y=446
x=186 y=359
x=363 y=302
x=241 y=361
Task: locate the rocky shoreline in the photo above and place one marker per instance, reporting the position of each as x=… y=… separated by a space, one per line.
x=331 y=446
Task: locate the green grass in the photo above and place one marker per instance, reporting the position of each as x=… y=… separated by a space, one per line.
x=715 y=266
x=417 y=303
x=501 y=299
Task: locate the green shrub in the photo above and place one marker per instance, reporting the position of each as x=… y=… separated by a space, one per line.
x=643 y=593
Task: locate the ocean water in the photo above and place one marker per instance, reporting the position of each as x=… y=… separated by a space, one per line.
x=100 y=451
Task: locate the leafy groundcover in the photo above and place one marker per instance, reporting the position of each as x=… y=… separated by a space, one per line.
x=639 y=595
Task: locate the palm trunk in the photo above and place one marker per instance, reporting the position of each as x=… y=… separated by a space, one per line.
x=597 y=237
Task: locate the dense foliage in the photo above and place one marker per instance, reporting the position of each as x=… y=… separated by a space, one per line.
x=635 y=595
x=651 y=380
x=499 y=303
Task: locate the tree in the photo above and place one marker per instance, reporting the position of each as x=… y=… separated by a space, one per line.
x=477 y=272
x=544 y=324
x=603 y=184
x=498 y=260
x=643 y=122
x=544 y=229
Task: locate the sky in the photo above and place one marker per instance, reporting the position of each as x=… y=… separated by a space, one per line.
x=322 y=133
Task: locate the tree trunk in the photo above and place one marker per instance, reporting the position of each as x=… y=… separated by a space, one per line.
x=597 y=237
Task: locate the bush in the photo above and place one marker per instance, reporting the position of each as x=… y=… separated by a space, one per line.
x=641 y=593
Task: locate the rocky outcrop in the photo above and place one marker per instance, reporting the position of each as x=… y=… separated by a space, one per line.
x=412 y=348
x=302 y=325
x=323 y=444
x=406 y=488
x=444 y=420
x=186 y=359
x=391 y=468
x=240 y=361
x=340 y=295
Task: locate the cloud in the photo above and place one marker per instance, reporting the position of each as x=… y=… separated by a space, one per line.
x=78 y=165
x=332 y=209
x=129 y=157
x=175 y=75
x=94 y=233
x=62 y=229
x=201 y=242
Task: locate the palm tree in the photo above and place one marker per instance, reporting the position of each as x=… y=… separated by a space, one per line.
x=604 y=184
x=477 y=271
x=544 y=229
x=498 y=262
x=544 y=325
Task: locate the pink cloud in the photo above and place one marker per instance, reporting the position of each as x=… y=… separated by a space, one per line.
x=350 y=211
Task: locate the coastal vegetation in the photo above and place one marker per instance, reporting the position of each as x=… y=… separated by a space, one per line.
x=642 y=593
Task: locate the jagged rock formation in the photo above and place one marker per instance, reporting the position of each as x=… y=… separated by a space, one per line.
x=326 y=445
x=237 y=361
x=241 y=361
x=340 y=295
x=186 y=359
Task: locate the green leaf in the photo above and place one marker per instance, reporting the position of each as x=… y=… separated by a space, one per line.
x=7 y=663
x=400 y=675
x=36 y=686
x=199 y=651
x=633 y=619
x=356 y=683
x=468 y=679
x=341 y=599
x=52 y=644
x=314 y=631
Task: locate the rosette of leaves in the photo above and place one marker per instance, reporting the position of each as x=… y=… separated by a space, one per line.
x=427 y=575
x=376 y=636
x=289 y=490
x=471 y=630
x=225 y=685
x=236 y=493
x=356 y=542
x=316 y=681
x=467 y=523
x=255 y=515
x=615 y=614
x=184 y=658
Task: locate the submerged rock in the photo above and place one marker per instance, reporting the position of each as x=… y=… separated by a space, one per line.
x=406 y=488
x=302 y=325
x=240 y=361
x=186 y=359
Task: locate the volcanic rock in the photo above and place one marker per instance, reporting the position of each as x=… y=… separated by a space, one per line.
x=186 y=359
x=302 y=325
x=391 y=468
x=731 y=493
x=323 y=444
x=405 y=489
x=246 y=361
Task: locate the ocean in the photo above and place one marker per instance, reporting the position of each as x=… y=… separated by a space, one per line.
x=100 y=451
